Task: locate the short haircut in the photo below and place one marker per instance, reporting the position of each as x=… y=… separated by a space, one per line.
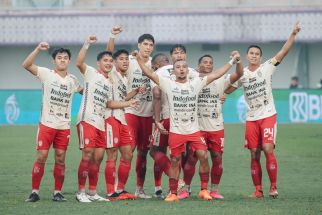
x=119 y=52
x=202 y=57
x=255 y=46
x=178 y=46
x=157 y=56
x=146 y=37
x=61 y=50
x=102 y=54
x=295 y=78
x=178 y=61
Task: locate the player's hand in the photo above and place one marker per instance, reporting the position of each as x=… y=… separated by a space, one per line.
x=43 y=46
x=134 y=103
x=92 y=39
x=236 y=56
x=116 y=30
x=135 y=53
x=141 y=89
x=222 y=99
x=161 y=128
x=297 y=28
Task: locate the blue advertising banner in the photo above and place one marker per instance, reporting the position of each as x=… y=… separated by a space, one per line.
x=21 y=107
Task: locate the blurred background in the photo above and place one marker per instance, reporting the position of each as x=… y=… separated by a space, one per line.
x=213 y=27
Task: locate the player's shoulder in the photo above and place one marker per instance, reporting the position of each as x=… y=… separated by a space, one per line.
x=72 y=77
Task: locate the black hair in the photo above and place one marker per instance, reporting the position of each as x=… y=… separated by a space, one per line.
x=178 y=46
x=158 y=55
x=255 y=46
x=61 y=50
x=102 y=54
x=206 y=55
x=146 y=37
x=119 y=52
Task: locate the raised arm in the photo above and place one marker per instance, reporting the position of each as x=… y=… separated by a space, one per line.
x=28 y=63
x=288 y=44
x=238 y=73
x=80 y=61
x=111 y=42
x=147 y=71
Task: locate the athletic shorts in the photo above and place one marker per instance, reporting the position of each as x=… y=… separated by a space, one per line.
x=158 y=139
x=178 y=142
x=141 y=130
x=47 y=136
x=89 y=136
x=260 y=132
x=117 y=133
x=215 y=140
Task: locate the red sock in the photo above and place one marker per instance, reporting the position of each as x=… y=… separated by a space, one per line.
x=161 y=164
x=204 y=178
x=93 y=174
x=271 y=166
x=37 y=173
x=82 y=174
x=173 y=185
x=59 y=175
x=140 y=170
x=216 y=170
x=256 y=171
x=110 y=169
x=189 y=169
x=123 y=173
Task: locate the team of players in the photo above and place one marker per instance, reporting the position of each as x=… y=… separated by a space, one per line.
x=116 y=114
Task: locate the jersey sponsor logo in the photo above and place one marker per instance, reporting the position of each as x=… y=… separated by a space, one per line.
x=184 y=99
x=12 y=109
x=255 y=85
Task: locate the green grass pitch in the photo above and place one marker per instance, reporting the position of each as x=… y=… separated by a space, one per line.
x=299 y=156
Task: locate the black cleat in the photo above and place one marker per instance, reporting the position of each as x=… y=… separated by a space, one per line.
x=58 y=197
x=34 y=197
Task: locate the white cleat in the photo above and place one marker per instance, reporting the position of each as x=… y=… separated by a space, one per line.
x=96 y=198
x=82 y=197
x=140 y=193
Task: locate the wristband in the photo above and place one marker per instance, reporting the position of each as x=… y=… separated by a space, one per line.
x=113 y=36
x=231 y=61
x=86 y=45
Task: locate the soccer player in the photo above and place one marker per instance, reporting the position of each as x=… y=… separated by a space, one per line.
x=211 y=124
x=182 y=97
x=54 y=127
x=261 y=115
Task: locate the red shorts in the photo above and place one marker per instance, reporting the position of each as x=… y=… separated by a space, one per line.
x=89 y=136
x=47 y=136
x=178 y=142
x=215 y=140
x=141 y=130
x=117 y=133
x=259 y=132
x=159 y=139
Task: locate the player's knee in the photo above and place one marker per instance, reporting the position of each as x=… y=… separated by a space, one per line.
x=41 y=156
x=127 y=155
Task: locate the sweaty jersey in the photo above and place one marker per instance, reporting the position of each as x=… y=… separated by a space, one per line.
x=118 y=94
x=182 y=98
x=137 y=78
x=258 y=94
x=209 y=106
x=57 y=98
x=97 y=91
x=167 y=72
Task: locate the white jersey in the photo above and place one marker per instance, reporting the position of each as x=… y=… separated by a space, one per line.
x=209 y=106
x=258 y=94
x=96 y=93
x=57 y=98
x=182 y=98
x=118 y=94
x=167 y=72
x=137 y=78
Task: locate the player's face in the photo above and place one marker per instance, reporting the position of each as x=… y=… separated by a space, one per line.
x=146 y=48
x=160 y=62
x=180 y=70
x=122 y=63
x=178 y=54
x=61 y=61
x=206 y=65
x=254 y=56
x=105 y=64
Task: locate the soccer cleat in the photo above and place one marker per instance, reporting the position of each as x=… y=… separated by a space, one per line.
x=58 y=197
x=33 y=197
x=124 y=195
x=115 y=197
x=216 y=195
x=140 y=193
x=184 y=194
x=172 y=198
x=205 y=195
x=96 y=198
x=273 y=193
x=158 y=194
x=82 y=197
x=257 y=194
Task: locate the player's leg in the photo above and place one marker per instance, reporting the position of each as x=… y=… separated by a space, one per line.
x=110 y=172
x=189 y=169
